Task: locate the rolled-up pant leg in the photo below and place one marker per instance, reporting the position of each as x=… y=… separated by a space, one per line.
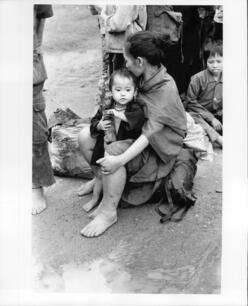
x=42 y=173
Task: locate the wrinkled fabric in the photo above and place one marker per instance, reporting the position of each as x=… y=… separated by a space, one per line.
x=204 y=95
x=39 y=70
x=204 y=101
x=42 y=173
x=166 y=123
x=165 y=128
x=123 y=20
x=127 y=130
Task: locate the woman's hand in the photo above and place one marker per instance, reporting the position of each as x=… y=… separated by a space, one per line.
x=104 y=125
x=216 y=124
x=110 y=163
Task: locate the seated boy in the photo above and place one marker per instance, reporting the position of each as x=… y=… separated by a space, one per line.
x=204 y=96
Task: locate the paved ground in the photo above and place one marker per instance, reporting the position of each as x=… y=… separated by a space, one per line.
x=138 y=254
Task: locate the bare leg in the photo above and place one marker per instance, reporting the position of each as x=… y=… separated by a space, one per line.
x=86 y=188
x=96 y=192
x=113 y=185
x=38 y=200
x=219 y=141
x=86 y=145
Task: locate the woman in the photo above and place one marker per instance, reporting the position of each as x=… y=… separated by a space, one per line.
x=135 y=174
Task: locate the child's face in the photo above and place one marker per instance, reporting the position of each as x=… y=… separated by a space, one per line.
x=214 y=64
x=123 y=89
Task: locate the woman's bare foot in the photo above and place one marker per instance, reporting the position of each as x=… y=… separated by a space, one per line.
x=86 y=188
x=89 y=205
x=38 y=201
x=100 y=224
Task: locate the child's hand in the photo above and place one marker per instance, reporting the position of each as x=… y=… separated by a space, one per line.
x=104 y=125
x=216 y=124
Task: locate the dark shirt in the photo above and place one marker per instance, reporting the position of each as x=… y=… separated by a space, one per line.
x=204 y=95
x=127 y=130
x=43 y=11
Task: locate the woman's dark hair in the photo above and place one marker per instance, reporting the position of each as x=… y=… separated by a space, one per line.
x=147 y=44
x=122 y=72
x=211 y=49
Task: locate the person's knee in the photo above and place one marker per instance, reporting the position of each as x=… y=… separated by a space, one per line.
x=85 y=141
x=110 y=149
x=83 y=136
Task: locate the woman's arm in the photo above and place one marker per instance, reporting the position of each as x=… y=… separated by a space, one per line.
x=111 y=163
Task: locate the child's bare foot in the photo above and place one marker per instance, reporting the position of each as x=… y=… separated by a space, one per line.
x=96 y=195
x=86 y=188
x=89 y=205
x=95 y=212
x=38 y=199
x=100 y=224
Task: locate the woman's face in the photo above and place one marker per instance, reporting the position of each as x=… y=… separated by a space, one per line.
x=133 y=64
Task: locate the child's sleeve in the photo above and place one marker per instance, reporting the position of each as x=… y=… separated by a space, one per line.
x=193 y=104
x=135 y=116
x=94 y=132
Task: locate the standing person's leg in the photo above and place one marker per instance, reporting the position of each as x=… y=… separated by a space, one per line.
x=97 y=189
x=86 y=145
x=113 y=186
x=42 y=173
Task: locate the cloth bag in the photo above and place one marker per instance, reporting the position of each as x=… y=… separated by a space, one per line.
x=66 y=157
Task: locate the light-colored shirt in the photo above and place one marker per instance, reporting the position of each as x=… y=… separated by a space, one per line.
x=122 y=20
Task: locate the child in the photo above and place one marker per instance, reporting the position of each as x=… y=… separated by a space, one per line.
x=204 y=96
x=128 y=119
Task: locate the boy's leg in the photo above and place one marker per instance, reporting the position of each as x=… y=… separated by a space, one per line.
x=96 y=191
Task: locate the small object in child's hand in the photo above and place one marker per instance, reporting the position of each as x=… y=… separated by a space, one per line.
x=110 y=133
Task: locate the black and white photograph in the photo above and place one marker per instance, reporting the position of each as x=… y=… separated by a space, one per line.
x=129 y=161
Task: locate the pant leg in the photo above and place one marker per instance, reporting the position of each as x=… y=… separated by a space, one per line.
x=42 y=173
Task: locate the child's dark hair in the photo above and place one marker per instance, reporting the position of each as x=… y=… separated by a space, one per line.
x=150 y=45
x=122 y=72
x=212 y=48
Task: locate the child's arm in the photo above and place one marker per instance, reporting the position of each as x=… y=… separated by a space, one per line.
x=98 y=125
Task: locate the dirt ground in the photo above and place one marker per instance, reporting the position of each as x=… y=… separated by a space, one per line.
x=138 y=254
